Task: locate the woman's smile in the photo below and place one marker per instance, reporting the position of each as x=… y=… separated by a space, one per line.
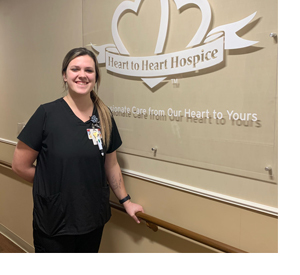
x=81 y=83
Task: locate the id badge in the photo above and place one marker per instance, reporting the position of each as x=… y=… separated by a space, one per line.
x=89 y=133
x=99 y=140
x=95 y=136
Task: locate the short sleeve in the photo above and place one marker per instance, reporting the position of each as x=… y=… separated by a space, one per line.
x=32 y=133
x=115 y=139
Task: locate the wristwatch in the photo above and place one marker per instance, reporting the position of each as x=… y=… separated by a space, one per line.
x=124 y=199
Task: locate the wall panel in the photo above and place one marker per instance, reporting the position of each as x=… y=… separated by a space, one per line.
x=227 y=156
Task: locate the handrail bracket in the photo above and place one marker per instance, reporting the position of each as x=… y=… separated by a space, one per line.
x=152 y=226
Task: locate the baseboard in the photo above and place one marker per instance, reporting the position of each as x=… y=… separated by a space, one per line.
x=16 y=239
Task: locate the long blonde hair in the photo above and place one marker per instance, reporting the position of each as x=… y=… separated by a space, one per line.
x=103 y=111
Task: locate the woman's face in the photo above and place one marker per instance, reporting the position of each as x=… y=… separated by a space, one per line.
x=81 y=75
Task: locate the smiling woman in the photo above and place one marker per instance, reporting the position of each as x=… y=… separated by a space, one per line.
x=70 y=190
x=85 y=70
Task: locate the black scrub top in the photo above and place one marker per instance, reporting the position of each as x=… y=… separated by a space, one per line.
x=70 y=190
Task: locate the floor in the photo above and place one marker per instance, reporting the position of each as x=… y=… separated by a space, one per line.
x=6 y=246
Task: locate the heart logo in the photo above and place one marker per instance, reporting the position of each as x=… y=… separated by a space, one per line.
x=164 y=22
x=154 y=69
x=127 y=6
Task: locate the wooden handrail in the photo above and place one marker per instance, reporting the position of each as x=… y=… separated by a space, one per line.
x=153 y=222
x=182 y=231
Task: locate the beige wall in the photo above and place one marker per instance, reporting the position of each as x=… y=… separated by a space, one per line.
x=245 y=229
x=223 y=204
x=35 y=37
x=224 y=159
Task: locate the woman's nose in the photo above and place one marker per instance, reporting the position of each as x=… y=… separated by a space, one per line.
x=82 y=73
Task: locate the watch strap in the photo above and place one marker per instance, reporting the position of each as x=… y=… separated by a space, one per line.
x=124 y=199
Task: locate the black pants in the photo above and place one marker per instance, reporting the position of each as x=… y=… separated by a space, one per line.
x=85 y=243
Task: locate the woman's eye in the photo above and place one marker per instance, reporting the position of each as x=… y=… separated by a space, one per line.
x=87 y=70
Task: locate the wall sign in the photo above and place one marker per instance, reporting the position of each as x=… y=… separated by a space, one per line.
x=222 y=115
x=204 y=50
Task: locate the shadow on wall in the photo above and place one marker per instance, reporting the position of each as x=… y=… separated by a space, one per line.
x=123 y=235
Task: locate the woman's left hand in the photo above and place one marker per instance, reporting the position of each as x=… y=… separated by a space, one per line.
x=132 y=208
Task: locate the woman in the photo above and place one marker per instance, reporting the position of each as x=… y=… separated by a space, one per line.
x=74 y=140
